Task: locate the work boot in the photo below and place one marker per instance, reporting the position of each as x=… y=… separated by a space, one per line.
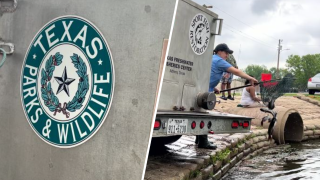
x=223 y=97
x=197 y=140
x=204 y=143
x=231 y=98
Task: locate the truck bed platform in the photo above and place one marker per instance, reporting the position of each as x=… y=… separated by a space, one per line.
x=171 y=123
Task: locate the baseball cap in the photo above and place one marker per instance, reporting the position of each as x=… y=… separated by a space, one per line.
x=222 y=47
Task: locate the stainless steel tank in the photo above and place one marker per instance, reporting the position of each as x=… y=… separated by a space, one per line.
x=188 y=64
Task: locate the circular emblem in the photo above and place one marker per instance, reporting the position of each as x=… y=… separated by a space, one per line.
x=199 y=34
x=67 y=81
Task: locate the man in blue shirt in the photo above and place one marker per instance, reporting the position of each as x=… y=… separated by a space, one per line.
x=218 y=66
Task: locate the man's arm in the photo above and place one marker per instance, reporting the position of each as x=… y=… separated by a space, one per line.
x=241 y=74
x=216 y=91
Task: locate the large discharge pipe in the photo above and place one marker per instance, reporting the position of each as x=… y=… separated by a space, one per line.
x=289 y=126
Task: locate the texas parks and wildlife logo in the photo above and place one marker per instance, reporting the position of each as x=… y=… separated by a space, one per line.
x=199 y=34
x=67 y=81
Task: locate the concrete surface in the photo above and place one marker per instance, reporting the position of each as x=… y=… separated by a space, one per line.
x=183 y=160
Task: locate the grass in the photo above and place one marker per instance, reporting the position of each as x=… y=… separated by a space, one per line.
x=194 y=174
x=211 y=174
x=286 y=94
x=259 y=127
x=235 y=94
x=290 y=94
x=316 y=96
x=220 y=156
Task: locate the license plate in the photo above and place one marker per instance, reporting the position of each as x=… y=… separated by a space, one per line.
x=177 y=126
x=317 y=85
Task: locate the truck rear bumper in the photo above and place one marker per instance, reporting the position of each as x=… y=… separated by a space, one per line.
x=171 y=123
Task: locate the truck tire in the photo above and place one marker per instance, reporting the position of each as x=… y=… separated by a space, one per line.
x=161 y=141
x=311 y=92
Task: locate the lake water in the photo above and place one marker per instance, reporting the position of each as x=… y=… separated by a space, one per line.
x=285 y=162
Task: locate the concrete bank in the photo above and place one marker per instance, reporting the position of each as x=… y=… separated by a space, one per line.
x=183 y=160
x=307 y=108
x=312 y=120
x=289 y=125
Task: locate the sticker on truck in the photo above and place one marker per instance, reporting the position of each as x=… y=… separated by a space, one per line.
x=199 y=34
x=67 y=81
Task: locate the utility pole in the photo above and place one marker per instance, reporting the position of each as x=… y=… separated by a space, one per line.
x=279 y=49
x=239 y=54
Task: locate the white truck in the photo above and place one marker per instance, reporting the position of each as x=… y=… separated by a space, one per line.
x=185 y=105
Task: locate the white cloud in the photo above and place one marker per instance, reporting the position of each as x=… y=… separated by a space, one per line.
x=260 y=7
x=257 y=25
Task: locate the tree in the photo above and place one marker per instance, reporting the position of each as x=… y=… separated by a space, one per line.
x=282 y=72
x=303 y=68
x=256 y=70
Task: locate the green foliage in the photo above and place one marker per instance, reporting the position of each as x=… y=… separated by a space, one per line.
x=303 y=68
x=315 y=97
x=220 y=156
x=252 y=135
x=290 y=94
x=194 y=174
x=282 y=72
x=256 y=70
x=240 y=142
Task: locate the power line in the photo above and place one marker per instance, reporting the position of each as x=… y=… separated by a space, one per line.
x=241 y=21
x=248 y=36
x=295 y=44
x=291 y=44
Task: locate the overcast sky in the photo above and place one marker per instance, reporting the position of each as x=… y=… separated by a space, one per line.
x=252 y=28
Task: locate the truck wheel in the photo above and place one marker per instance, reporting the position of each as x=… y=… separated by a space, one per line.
x=311 y=92
x=161 y=141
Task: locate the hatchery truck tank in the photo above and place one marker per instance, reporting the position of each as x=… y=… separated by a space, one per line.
x=185 y=105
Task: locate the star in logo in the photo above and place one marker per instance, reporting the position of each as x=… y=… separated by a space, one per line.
x=64 y=82
x=34 y=56
x=100 y=62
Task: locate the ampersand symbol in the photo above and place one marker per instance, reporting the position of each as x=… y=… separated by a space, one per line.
x=46 y=131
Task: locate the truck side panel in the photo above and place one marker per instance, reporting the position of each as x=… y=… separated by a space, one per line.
x=186 y=73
